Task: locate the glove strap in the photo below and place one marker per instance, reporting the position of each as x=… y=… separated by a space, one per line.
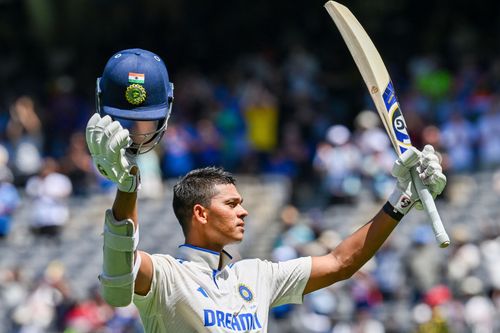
x=392 y=212
x=401 y=200
x=130 y=183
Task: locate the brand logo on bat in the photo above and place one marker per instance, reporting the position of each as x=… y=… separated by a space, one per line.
x=399 y=127
x=397 y=121
x=389 y=96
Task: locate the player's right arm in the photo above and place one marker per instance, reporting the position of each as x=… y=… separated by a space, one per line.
x=125 y=270
x=125 y=207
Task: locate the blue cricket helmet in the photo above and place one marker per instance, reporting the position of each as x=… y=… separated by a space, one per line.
x=135 y=87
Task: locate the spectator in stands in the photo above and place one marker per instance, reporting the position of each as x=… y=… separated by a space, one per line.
x=389 y=271
x=459 y=137
x=295 y=232
x=465 y=259
x=24 y=134
x=489 y=136
x=9 y=196
x=66 y=114
x=38 y=313
x=338 y=162
x=77 y=164
x=480 y=314
x=208 y=143
x=13 y=292
x=89 y=315
x=261 y=113
x=376 y=153
x=300 y=70
x=48 y=192
x=125 y=319
x=292 y=157
x=231 y=126
x=177 y=158
x=422 y=265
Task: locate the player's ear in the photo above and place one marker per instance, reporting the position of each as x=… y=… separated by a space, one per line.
x=200 y=213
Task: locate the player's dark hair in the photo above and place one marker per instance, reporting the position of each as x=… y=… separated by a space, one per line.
x=197 y=187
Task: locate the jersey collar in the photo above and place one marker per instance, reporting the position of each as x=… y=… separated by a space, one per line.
x=196 y=254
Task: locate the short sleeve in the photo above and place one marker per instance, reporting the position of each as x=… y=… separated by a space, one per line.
x=287 y=280
x=160 y=289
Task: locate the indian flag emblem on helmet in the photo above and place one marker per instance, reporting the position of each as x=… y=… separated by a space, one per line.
x=136 y=78
x=245 y=293
x=135 y=94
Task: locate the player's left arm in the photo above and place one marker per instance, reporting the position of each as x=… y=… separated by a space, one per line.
x=350 y=255
x=353 y=252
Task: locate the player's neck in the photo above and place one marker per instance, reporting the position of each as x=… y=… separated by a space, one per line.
x=204 y=243
x=200 y=237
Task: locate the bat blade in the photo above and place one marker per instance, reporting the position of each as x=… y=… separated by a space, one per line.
x=382 y=92
x=374 y=73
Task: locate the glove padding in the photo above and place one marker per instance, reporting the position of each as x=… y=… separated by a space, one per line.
x=428 y=168
x=107 y=141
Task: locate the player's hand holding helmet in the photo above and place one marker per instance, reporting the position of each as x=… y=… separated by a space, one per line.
x=133 y=101
x=107 y=141
x=429 y=169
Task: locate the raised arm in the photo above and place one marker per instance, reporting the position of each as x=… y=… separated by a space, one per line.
x=353 y=252
x=125 y=207
x=125 y=269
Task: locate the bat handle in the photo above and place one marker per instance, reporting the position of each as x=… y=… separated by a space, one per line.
x=430 y=207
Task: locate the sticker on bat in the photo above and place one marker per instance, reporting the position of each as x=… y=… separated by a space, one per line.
x=397 y=120
x=389 y=96
x=399 y=128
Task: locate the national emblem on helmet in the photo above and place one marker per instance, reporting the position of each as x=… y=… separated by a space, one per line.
x=135 y=90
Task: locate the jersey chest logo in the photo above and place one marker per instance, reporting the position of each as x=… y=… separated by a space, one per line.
x=245 y=293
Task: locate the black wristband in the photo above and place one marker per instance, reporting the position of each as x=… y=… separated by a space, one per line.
x=392 y=212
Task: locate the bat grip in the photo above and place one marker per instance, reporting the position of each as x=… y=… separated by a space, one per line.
x=430 y=207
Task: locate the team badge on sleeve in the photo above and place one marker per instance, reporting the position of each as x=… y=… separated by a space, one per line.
x=245 y=293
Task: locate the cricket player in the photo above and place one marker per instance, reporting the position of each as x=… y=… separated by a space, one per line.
x=201 y=288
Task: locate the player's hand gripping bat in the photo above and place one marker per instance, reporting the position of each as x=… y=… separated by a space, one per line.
x=382 y=92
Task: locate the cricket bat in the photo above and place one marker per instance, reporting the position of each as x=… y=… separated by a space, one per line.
x=383 y=94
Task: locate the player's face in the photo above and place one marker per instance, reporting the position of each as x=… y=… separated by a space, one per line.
x=225 y=215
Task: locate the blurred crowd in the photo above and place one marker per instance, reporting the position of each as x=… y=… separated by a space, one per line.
x=260 y=116
x=409 y=286
x=46 y=303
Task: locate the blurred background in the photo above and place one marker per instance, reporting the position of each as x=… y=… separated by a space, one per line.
x=268 y=90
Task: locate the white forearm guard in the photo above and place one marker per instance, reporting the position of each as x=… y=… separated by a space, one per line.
x=118 y=269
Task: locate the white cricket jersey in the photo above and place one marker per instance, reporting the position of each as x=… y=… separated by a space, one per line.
x=189 y=294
